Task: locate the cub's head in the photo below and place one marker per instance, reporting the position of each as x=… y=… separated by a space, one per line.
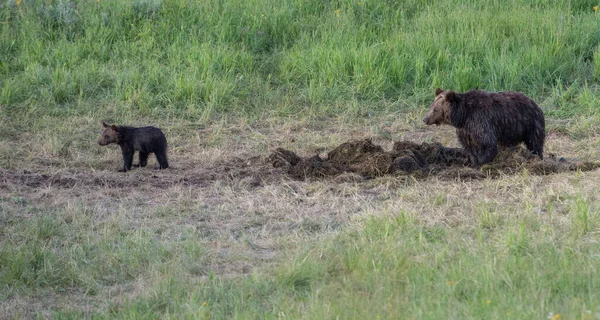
x=109 y=135
x=439 y=111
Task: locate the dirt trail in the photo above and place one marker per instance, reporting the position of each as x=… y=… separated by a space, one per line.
x=231 y=169
x=362 y=158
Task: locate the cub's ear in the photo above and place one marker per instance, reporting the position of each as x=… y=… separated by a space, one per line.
x=104 y=124
x=438 y=91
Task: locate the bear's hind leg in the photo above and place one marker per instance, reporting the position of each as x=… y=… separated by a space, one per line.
x=161 y=156
x=535 y=143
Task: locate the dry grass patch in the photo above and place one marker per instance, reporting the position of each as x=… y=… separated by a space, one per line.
x=223 y=210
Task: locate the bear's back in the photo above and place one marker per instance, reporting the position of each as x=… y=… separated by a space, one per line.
x=146 y=139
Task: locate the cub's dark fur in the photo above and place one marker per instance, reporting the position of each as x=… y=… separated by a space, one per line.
x=145 y=140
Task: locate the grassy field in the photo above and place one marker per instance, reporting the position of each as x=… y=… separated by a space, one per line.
x=224 y=234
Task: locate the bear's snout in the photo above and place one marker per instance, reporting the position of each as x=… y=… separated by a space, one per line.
x=428 y=120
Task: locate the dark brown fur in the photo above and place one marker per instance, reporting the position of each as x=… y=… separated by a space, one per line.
x=484 y=120
x=145 y=140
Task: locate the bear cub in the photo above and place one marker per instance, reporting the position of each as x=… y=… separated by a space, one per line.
x=145 y=140
x=484 y=120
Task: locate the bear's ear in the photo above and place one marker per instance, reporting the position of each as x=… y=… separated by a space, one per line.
x=104 y=124
x=451 y=96
x=438 y=91
x=114 y=128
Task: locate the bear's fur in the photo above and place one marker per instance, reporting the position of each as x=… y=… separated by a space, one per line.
x=484 y=120
x=145 y=140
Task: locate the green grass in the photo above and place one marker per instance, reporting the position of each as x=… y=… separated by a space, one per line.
x=504 y=260
x=396 y=267
x=239 y=78
x=61 y=250
x=202 y=59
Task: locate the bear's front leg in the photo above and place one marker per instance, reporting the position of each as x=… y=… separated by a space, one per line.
x=473 y=161
x=127 y=159
x=480 y=145
x=143 y=160
x=470 y=147
x=487 y=152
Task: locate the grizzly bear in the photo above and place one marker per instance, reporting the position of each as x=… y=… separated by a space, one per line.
x=145 y=140
x=484 y=120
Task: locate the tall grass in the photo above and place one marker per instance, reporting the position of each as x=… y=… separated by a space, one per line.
x=206 y=58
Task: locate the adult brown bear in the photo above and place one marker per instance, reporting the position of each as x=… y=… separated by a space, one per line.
x=484 y=120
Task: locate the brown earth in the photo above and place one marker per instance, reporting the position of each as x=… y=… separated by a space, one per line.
x=358 y=157
x=419 y=160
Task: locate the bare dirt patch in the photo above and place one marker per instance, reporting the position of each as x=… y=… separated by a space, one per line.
x=234 y=168
x=369 y=160
x=358 y=159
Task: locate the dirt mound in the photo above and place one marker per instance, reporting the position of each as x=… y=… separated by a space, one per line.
x=369 y=160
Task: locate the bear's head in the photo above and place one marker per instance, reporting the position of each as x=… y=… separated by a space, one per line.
x=439 y=111
x=109 y=135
